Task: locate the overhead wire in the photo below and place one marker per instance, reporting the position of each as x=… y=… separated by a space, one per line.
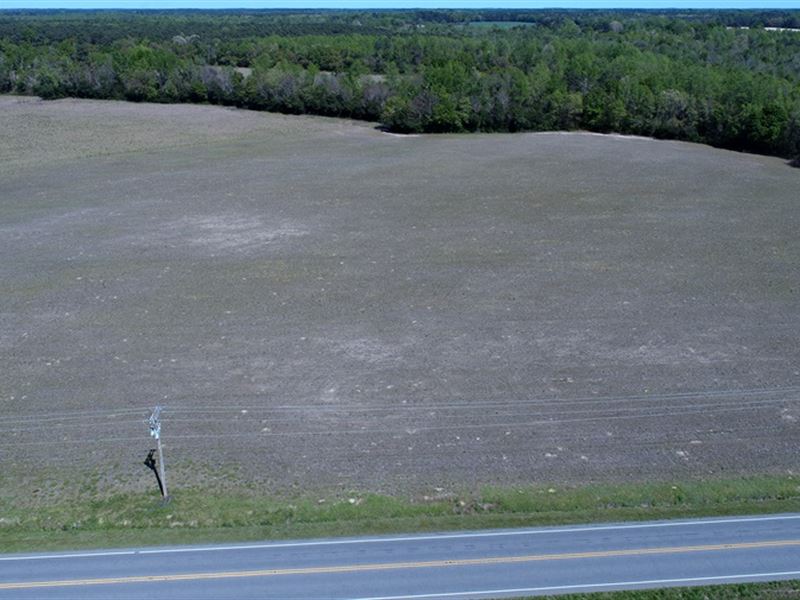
x=517 y=411
x=512 y=425
x=400 y=405
x=39 y=428
x=569 y=447
x=449 y=427
x=637 y=411
x=56 y=416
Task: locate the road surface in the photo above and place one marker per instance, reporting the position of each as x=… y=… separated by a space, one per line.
x=481 y=564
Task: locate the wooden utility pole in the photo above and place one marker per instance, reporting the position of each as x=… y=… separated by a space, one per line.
x=155 y=431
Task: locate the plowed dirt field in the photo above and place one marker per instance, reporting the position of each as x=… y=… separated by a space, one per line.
x=319 y=304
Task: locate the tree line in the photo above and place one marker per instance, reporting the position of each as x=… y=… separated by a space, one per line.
x=693 y=76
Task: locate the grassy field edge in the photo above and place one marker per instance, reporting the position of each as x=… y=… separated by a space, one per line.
x=774 y=590
x=199 y=516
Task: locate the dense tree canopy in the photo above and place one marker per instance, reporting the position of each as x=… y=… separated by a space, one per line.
x=729 y=78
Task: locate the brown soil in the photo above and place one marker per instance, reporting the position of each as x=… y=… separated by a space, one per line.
x=319 y=304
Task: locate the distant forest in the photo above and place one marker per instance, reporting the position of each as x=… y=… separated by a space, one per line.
x=726 y=78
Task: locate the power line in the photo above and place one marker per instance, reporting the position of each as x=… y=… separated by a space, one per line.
x=409 y=433
x=513 y=411
x=570 y=447
x=400 y=405
x=638 y=413
x=81 y=425
x=414 y=430
x=612 y=413
x=50 y=416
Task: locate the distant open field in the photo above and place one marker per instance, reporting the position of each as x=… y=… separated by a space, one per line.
x=321 y=305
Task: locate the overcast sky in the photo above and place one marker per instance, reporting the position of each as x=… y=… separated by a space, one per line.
x=229 y=4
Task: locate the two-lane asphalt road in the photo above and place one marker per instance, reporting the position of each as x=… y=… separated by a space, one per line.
x=481 y=564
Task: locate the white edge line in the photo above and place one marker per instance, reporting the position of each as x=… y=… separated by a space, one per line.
x=422 y=538
x=76 y=555
x=586 y=586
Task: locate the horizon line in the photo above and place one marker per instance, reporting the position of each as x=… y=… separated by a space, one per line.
x=398 y=8
x=376 y=5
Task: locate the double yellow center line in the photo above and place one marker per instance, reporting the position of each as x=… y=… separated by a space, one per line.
x=464 y=562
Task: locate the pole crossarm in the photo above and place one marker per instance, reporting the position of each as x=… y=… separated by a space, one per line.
x=155 y=423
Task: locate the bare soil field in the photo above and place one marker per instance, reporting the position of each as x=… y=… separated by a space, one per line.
x=317 y=304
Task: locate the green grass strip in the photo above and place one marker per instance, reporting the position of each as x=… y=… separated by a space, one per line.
x=778 y=590
x=200 y=516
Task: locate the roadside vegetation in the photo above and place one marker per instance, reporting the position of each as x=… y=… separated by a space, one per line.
x=775 y=590
x=726 y=78
x=197 y=515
